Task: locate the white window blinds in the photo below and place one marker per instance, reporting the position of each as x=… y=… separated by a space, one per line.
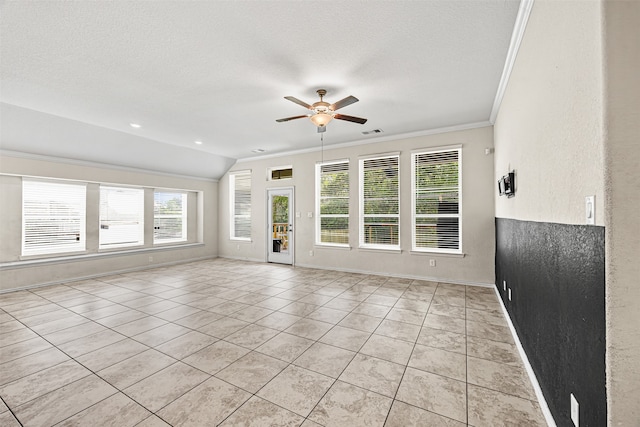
x=436 y=177
x=240 y=203
x=53 y=217
x=332 y=203
x=380 y=202
x=121 y=217
x=169 y=217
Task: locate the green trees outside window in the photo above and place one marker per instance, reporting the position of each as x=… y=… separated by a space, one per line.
x=436 y=200
x=380 y=202
x=333 y=203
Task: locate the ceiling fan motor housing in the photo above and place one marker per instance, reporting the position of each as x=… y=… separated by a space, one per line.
x=321 y=107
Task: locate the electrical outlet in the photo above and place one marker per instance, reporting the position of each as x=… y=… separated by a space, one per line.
x=237 y=247
x=504 y=285
x=509 y=294
x=432 y=263
x=309 y=214
x=150 y=259
x=310 y=253
x=575 y=411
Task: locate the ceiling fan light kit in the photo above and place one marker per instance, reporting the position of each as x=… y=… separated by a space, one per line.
x=321 y=119
x=322 y=112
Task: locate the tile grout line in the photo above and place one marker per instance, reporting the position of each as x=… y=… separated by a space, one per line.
x=210 y=375
x=335 y=380
x=56 y=389
x=292 y=364
x=300 y=283
x=466 y=357
x=11 y=411
x=406 y=366
x=95 y=373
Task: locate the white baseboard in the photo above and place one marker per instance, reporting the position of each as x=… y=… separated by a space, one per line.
x=238 y=258
x=401 y=276
x=103 y=274
x=525 y=360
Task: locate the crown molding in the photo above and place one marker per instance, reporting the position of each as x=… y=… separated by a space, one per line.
x=385 y=138
x=516 y=39
x=64 y=160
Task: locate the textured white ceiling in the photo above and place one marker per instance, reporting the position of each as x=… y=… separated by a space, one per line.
x=217 y=71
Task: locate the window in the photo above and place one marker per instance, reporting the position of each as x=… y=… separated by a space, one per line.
x=332 y=203
x=121 y=217
x=169 y=217
x=436 y=200
x=284 y=172
x=53 y=217
x=240 y=203
x=380 y=203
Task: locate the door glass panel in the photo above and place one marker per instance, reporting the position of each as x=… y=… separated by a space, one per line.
x=280 y=221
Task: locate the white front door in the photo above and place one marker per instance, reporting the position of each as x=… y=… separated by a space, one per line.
x=280 y=225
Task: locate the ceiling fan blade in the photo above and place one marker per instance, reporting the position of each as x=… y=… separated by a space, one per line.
x=297 y=101
x=286 y=119
x=343 y=103
x=350 y=118
x=322 y=129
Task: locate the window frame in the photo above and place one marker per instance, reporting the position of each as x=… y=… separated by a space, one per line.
x=361 y=202
x=279 y=169
x=232 y=205
x=318 y=197
x=184 y=217
x=81 y=246
x=140 y=241
x=414 y=216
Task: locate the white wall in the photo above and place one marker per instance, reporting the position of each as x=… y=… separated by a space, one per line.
x=549 y=127
x=549 y=130
x=570 y=127
x=478 y=188
x=16 y=272
x=622 y=185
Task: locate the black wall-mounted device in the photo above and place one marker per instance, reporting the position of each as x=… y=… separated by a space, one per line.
x=507 y=185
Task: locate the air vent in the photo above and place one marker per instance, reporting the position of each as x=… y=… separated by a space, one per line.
x=369 y=132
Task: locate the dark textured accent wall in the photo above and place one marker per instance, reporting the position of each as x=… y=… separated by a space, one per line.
x=556 y=276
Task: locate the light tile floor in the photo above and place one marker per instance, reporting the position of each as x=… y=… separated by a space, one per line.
x=233 y=343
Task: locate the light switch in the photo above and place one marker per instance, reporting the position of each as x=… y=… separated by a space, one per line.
x=590 y=209
x=298 y=214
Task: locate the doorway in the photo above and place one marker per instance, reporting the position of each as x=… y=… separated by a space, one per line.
x=280 y=239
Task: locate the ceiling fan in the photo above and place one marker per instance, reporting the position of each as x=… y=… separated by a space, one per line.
x=322 y=112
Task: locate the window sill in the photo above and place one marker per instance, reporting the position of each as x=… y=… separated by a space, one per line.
x=170 y=243
x=240 y=240
x=89 y=256
x=326 y=246
x=121 y=249
x=39 y=257
x=442 y=254
x=391 y=250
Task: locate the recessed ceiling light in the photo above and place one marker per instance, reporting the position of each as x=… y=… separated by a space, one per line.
x=198 y=142
x=258 y=150
x=135 y=125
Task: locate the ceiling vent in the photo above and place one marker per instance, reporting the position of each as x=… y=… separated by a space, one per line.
x=370 y=132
